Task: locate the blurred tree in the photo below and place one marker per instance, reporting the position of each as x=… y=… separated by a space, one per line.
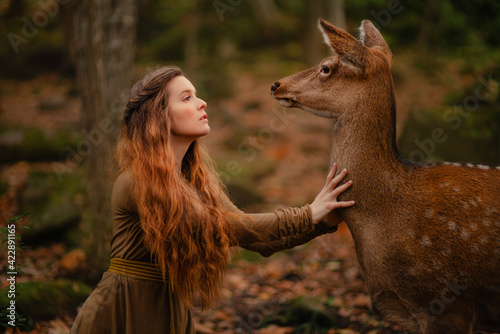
x=330 y=10
x=193 y=23
x=311 y=39
x=266 y=13
x=104 y=39
x=335 y=13
x=431 y=21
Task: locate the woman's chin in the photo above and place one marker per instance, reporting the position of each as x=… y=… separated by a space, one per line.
x=207 y=130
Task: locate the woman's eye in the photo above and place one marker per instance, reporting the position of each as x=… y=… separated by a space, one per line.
x=325 y=69
x=187 y=98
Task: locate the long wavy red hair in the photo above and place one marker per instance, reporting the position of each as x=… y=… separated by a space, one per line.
x=185 y=226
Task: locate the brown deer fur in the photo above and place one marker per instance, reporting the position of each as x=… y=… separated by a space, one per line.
x=427 y=236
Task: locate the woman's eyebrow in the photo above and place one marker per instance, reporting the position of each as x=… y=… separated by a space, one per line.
x=187 y=91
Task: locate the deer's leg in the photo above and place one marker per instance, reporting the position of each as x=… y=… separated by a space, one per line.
x=390 y=307
x=452 y=324
x=487 y=310
x=457 y=318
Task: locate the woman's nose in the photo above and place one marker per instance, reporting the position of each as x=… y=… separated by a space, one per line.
x=203 y=104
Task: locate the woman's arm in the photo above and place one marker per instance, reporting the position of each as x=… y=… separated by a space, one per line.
x=268 y=233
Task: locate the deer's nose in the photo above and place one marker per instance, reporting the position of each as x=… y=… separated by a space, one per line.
x=274 y=87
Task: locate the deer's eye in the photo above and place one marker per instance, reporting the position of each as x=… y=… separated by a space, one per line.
x=325 y=69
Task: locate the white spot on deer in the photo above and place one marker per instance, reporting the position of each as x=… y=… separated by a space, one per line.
x=489 y=211
x=473 y=202
x=470 y=165
x=483 y=166
x=465 y=205
x=426 y=241
x=479 y=200
x=474 y=248
x=464 y=234
x=498 y=167
x=411 y=233
x=444 y=184
x=483 y=240
x=442 y=218
x=446 y=251
x=452 y=225
x=429 y=213
x=457 y=189
x=486 y=222
x=473 y=227
x=436 y=264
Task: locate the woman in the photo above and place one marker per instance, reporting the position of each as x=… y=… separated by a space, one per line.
x=172 y=220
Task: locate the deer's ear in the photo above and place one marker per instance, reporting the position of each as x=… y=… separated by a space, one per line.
x=352 y=52
x=372 y=38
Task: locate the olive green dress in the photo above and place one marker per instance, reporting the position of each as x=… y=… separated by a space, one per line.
x=125 y=305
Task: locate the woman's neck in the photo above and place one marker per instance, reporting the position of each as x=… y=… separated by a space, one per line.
x=180 y=146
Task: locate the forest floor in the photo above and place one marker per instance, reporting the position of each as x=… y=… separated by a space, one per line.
x=315 y=288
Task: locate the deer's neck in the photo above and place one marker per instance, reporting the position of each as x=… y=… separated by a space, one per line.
x=367 y=148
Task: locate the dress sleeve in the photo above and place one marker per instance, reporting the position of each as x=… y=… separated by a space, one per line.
x=268 y=233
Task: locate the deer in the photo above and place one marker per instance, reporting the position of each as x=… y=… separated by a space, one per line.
x=427 y=236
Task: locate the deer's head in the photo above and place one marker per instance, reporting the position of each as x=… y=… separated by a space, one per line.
x=352 y=77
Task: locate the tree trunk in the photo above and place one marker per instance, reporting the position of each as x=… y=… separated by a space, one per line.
x=311 y=38
x=267 y=14
x=430 y=24
x=193 y=22
x=336 y=13
x=104 y=42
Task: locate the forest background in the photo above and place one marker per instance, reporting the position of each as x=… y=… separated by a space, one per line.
x=67 y=66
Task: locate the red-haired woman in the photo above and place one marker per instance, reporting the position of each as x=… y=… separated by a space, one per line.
x=173 y=223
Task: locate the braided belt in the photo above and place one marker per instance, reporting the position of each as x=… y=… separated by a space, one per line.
x=136 y=269
x=144 y=271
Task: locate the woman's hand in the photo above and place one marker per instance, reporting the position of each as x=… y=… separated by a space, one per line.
x=326 y=200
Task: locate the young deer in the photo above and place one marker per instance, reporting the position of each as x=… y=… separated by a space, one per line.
x=427 y=236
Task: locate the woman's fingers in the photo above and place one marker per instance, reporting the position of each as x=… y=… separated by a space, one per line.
x=331 y=174
x=340 y=189
x=343 y=204
x=326 y=200
x=336 y=180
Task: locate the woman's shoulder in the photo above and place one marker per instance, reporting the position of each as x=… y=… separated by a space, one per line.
x=125 y=178
x=122 y=189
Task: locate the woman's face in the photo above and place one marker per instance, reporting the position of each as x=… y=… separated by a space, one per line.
x=188 y=116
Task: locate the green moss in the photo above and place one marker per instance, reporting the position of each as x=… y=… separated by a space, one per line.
x=33 y=144
x=46 y=299
x=54 y=205
x=4 y=186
